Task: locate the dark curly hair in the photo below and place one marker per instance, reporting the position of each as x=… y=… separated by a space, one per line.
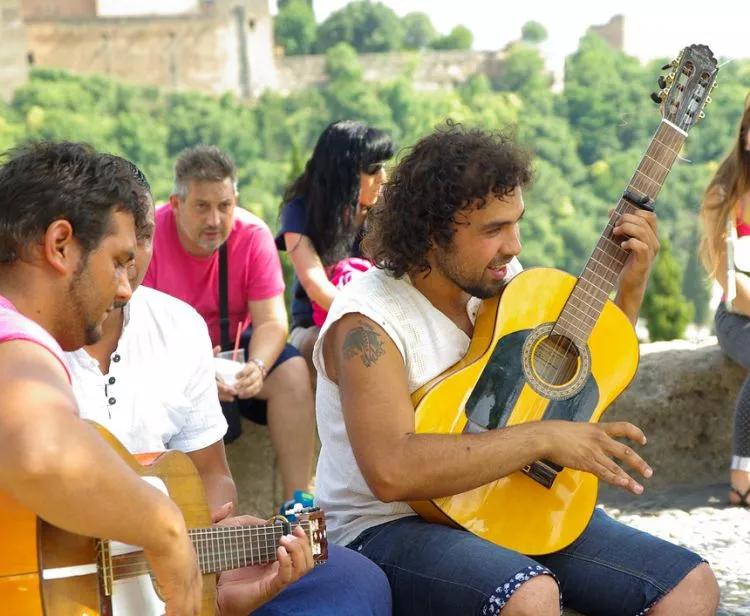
x=453 y=169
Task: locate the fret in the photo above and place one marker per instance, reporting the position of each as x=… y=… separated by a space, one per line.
x=641 y=173
x=597 y=263
x=244 y=550
x=613 y=257
x=658 y=163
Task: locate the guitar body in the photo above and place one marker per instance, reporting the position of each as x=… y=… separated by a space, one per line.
x=45 y=571
x=505 y=379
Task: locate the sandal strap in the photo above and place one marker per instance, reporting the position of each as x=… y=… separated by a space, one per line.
x=742 y=497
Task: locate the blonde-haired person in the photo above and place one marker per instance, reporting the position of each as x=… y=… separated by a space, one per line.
x=725 y=214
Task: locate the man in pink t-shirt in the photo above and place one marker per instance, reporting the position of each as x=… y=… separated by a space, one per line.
x=201 y=216
x=67 y=238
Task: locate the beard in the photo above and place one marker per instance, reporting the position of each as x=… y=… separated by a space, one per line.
x=471 y=281
x=81 y=297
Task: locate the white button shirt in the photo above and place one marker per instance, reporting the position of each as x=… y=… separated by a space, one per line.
x=160 y=392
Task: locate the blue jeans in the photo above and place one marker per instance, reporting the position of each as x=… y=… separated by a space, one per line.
x=347 y=585
x=610 y=570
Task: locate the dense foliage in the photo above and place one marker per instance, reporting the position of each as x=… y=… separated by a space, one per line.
x=588 y=135
x=367 y=26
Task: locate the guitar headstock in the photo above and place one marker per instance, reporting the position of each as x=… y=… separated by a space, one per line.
x=685 y=90
x=313 y=522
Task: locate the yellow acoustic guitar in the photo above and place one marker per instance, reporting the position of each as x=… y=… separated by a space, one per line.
x=554 y=347
x=45 y=571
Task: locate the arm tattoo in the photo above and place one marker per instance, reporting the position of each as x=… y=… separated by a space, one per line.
x=365 y=342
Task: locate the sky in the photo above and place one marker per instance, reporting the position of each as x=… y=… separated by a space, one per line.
x=652 y=28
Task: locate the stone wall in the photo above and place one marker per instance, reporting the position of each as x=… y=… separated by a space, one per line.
x=212 y=51
x=13 y=65
x=432 y=70
x=53 y=9
x=186 y=52
x=682 y=397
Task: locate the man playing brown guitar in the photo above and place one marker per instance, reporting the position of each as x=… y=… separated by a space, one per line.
x=68 y=220
x=67 y=235
x=446 y=236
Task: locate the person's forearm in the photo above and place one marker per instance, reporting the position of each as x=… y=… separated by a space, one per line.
x=267 y=342
x=319 y=289
x=630 y=302
x=69 y=476
x=220 y=490
x=426 y=466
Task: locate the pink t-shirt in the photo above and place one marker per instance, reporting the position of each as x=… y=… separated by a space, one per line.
x=254 y=269
x=15 y=326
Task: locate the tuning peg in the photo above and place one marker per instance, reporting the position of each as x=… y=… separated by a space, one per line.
x=701 y=115
x=708 y=100
x=662 y=82
x=666 y=66
x=656 y=98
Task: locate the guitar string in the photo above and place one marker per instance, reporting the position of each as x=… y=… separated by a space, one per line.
x=599 y=266
x=134 y=563
x=673 y=141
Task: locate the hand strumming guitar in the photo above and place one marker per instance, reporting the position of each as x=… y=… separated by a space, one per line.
x=175 y=567
x=591 y=447
x=240 y=591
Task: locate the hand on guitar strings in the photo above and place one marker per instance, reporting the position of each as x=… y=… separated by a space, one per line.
x=176 y=571
x=241 y=591
x=591 y=447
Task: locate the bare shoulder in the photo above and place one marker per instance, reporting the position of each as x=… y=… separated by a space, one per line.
x=356 y=343
x=32 y=374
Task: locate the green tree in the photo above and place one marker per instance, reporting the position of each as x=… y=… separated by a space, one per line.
x=342 y=63
x=533 y=32
x=295 y=28
x=366 y=26
x=418 y=31
x=458 y=38
x=664 y=307
x=695 y=286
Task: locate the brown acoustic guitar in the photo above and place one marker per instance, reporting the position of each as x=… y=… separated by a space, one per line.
x=47 y=571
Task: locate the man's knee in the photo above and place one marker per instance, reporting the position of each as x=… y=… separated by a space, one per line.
x=292 y=376
x=539 y=596
x=696 y=595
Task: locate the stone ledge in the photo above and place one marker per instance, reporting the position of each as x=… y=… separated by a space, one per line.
x=682 y=397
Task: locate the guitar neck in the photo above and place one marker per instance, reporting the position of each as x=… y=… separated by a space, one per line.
x=221 y=548
x=601 y=272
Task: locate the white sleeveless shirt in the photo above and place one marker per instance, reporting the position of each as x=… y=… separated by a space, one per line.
x=429 y=343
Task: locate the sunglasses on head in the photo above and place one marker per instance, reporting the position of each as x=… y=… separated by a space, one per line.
x=374 y=168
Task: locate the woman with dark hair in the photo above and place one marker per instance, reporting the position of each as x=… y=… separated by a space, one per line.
x=323 y=215
x=725 y=250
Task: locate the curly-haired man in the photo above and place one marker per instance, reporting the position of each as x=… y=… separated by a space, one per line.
x=446 y=236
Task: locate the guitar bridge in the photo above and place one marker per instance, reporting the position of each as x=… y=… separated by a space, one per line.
x=544 y=472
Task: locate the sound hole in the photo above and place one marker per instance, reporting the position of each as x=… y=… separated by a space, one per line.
x=555 y=360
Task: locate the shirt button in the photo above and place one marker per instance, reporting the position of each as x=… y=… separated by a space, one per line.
x=116 y=357
x=111 y=400
x=112 y=380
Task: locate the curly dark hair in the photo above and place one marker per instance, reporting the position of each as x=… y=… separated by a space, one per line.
x=453 y=169
x=45 y=181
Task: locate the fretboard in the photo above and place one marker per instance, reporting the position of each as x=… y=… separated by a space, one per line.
x=220 y=548
x=601 y=272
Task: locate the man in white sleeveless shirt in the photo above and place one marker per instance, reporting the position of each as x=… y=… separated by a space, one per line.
x=446 y=236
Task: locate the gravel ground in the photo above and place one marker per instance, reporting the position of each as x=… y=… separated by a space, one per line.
x=698 y=518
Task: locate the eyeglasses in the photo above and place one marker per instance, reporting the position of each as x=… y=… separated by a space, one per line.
x=374 y=168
